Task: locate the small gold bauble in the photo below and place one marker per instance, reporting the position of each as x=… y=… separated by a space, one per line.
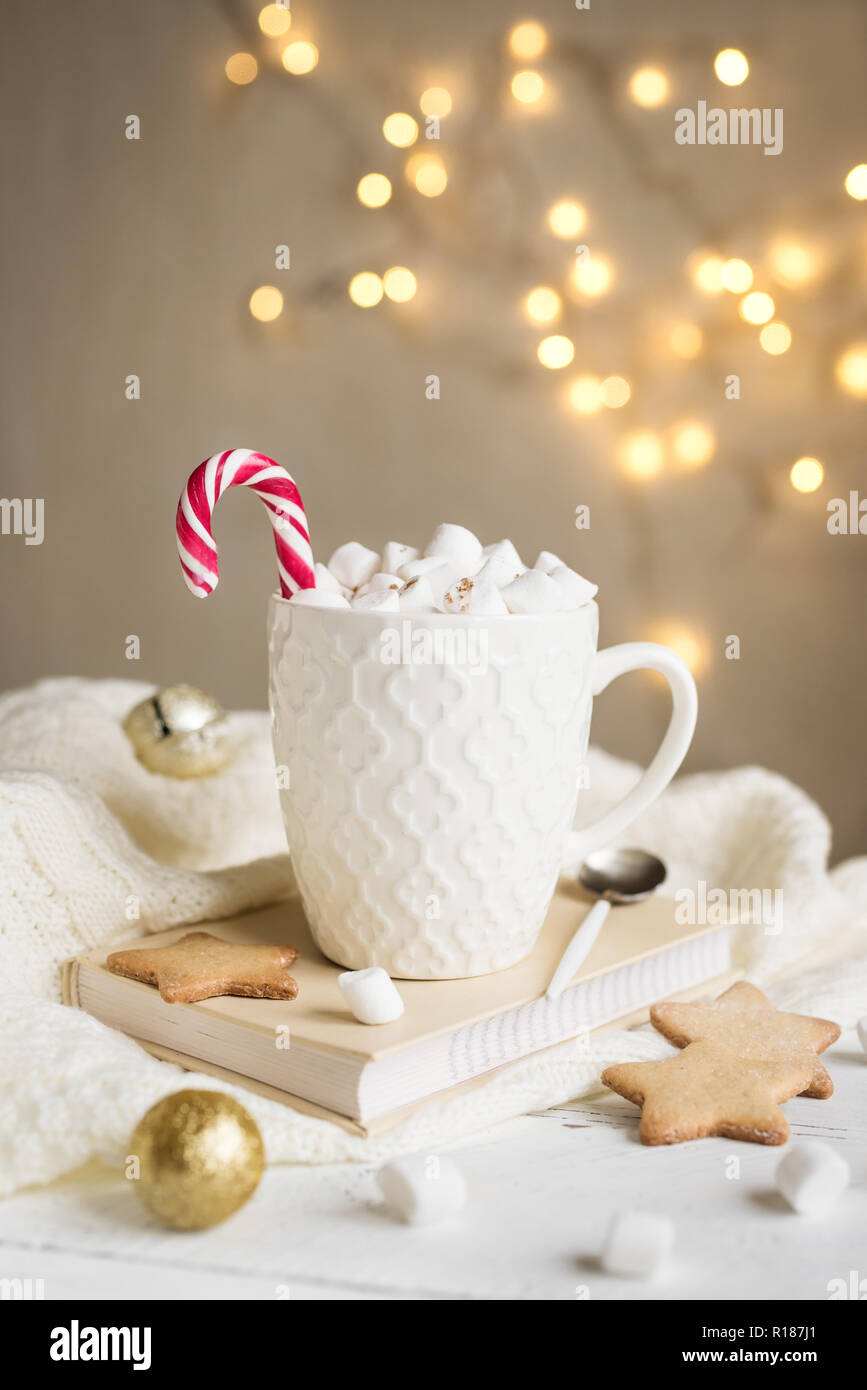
x=181 y=732
x=200 y=1156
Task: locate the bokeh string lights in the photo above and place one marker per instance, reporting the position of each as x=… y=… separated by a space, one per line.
x=411 y=153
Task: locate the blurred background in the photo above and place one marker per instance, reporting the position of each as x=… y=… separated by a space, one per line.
x=214 y=258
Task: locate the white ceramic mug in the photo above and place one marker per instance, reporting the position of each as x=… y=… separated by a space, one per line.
x=430 y=773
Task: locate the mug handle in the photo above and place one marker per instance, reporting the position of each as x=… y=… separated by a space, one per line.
x=608 y=664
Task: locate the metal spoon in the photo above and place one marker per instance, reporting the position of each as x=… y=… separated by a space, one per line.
x=620 y=876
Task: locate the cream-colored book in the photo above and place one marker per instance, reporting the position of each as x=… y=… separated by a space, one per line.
x=311 y=1052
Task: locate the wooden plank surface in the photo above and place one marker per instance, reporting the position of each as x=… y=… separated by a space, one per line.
x=543 y=1190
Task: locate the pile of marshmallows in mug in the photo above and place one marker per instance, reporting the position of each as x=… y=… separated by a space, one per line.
x=454 y=574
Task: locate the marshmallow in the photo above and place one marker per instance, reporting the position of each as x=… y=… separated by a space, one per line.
x=394 y=555
x=505 y=548
x=318 y=598
x=380 y=601
x=422 y=565
x=326 y=580
x=416 y=596
x=353 y=564
x=637 y=1244
x=379 y=581
x=502 y=565
x=371 y=995
x=546 y=561
x=457 y=545
x=575 y=588
x=473 y=596
x=441 y=579
x=811 y=1176
x=862 y=1032
x=533 y=592
x=422 y=1188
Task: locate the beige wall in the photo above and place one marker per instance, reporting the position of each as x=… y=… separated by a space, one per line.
x=138 y=257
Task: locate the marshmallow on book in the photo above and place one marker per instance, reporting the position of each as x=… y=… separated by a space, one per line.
x=423 y=1188
x=371 y=995
x=319 y=598
x=811 y=1176
x=457 y=545
x=533 y=592
x=394 y=555
x=637 y=1244
x=353 y=564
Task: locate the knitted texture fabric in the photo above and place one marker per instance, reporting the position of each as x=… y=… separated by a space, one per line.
x=95 y=848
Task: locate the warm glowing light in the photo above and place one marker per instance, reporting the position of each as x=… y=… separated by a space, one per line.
x=736 y=275
x=400 y=129
x=693 y=444
x=707 y=273
x=241 y=68
x=527 y=87
x=585 y=395
x=528 y=40
x=792 y=264
x=300 y=57
x=731 y=67
x=567 y=219
x=856 y=182
x=374 y=190
x=592 y=276
x=776 y=338
x=641 y=454
x=275 y=20
x=851 y=370
x=686 y=340
x=756 y=307
x=556 y=351
x=365 y=289
x=687 y=644
x=435 y=101
x=428 y=174
x=616 y=391
x=399 y=284
x=648 y=87
x=266 y=303
x=806 y=475
x=543 y=304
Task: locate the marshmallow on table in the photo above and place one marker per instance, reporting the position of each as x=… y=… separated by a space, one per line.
x=811 y=1176
x=546 y=561
x=422 y=1188
x=637 y=1244
x=371 y=995
x=533 y=592
x=353 y=564
x=319 y=598
x=379 y=581
x=862 y=1032
x=379 y=601
x=474 y=596
x=575 y=588
x=394 y=555
x=456 y=545
x=416 y=596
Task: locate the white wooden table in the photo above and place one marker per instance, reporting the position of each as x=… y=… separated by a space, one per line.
x=543 y=1189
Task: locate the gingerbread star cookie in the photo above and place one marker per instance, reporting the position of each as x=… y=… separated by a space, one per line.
x=744 y=1020
x=201 y=966
x=708 y=1090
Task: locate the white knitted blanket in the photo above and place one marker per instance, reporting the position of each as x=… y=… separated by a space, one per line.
x=89 y=837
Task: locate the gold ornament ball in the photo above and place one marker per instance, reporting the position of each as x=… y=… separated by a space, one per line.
x=200 y=1157
x=181 y=732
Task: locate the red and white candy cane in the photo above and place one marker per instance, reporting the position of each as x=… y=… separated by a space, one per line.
x=206 y=485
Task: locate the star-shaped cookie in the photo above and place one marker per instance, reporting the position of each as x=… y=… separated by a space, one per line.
x=709 y=1090
x=744 y=1020
x=201 y=966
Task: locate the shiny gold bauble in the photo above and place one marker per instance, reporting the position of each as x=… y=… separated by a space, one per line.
x=181 y=732
x=200 y=1156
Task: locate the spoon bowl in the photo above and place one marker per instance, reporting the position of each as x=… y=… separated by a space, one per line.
x=622 y=875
